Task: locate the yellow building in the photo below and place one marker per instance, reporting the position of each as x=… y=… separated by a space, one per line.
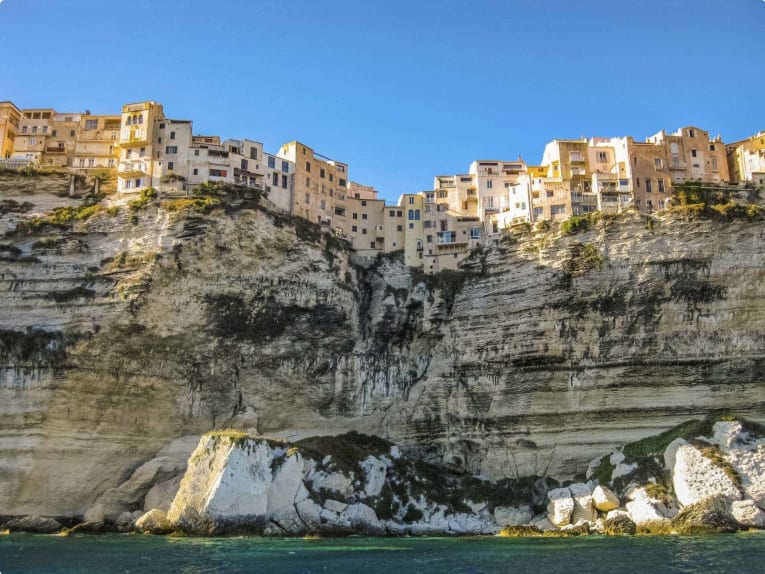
x=320 y=185
x=136 y=169
x=97 y=145
x=412 y=205
x=566 y=188
x=746 y=159
x=10 y=116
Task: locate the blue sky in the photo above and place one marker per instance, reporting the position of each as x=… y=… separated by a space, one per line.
x=401 y=91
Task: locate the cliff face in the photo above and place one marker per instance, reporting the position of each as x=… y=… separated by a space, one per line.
x=128 y=329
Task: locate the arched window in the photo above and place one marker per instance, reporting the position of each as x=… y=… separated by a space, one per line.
x=411 y=215
x=140 y=119
x=129 y=121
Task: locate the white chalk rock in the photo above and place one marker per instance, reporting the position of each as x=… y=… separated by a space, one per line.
x=694 y=476
x=617 y=512
x=375 y=471
x=604 y=499
x=561 y=506
x=542 y=523
x=642 y=508
x=154 y=522
x=746 y=512
x=335 y=505
x=750 y=466
x=363 y=518
x=583 y=508
x=331 y=481
x=309 y=512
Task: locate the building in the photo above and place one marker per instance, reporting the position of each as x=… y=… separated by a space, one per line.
x=97 y=143
x=46 y=137
x=140 y=149
x=566 y=187
x=746 y=159
x=10 y=116
x=319 y=185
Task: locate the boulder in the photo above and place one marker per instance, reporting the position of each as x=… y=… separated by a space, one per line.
x=642 y=509
x=464 y=523
x=334 y=505
x=583 y=508
x=619 y=524
x=561 y=506
x=749 y=464
x=154 y=522
x=512 y=516
x=94 y=514
x=374 y=471
x=694 y=476
x=37 y=524
x=604 y=499
x=708 y=515
x=747 y=513
x=124 y=522
x=309 y=512
x=581 y=528
x=331 y=482
x=363 y=519
x=617 y=512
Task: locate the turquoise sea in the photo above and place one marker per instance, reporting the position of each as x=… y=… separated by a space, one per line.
x=741 y=553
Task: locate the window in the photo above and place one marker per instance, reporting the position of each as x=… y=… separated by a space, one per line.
x=372 y=245
x=364 y=231
x=307 y=198
x=171 y=149
x=71 y=133
x=243 y=164
x=692 y=133
x=355 y=216
x=399 y=213
x=34 y=129
x=32 y=141
x=45 y=129
x=24 y=130
x=285 y=167
x=411 y=226
x=602 y=157
x=475 y=233
x=711 y=147
x=159 y=140
x=661 y=186
x=637 y=182
x=321 y=173
x=91 y=124
x=170 y=165
x=363 y=216
x=658 y=163
x=196 y=171
x=428 y=223
x=714 y=163
x=271 y=162
x=557 y=209
x=417 y=214
x=411 y=202
x=693 y=153
x=648 y=186
x=411 y=214
x=363 y=204
x=275 y=178
x=429 y=238
x=354 y=229
x=140 y=119
x=342 y=183
x=172 y=135
x=308 y=166
x=399 y=228
x=142 y=152
x=489 y=184
x=218 y=172
x=162 y=126
x=308 y=182
x=284 y=181
x=196 y=152
x=391 y=213
x=673 y=147
x=323 y=204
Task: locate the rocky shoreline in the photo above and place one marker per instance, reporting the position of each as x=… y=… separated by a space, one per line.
x=353 y=484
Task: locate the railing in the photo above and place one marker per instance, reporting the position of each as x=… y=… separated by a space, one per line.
x=96 y=137
x=55 y=150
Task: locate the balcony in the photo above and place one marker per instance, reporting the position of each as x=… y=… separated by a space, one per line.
x=55 y=150
x=87 y=136
x=380 y=231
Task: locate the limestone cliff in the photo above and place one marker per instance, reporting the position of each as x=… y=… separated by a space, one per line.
x=123 y=330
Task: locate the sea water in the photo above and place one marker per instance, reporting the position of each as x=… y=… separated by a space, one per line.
x=740 y=553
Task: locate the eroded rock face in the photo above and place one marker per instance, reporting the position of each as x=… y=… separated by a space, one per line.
x=561 y=506
x=172 y=324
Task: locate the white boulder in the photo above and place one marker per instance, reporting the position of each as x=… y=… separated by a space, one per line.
x=694 y=476
x=746 y=512
x=374 y=471
x=560 y=506
x=583 y=508
x=604 y=499
x=363 y=518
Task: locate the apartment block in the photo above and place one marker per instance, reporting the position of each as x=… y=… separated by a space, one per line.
x=319 y=186
x=97 y=143
x=140 y=149
x=10 y=116
x=746 y=159
x=46 y=137
x=279 y=181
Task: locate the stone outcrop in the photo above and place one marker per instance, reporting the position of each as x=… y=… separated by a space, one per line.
x=747 y=513
x=694 y=476
x=603 y=499
x=129 y=329
x=39 y=524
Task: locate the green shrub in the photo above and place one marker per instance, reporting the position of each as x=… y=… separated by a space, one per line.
x=146 y=197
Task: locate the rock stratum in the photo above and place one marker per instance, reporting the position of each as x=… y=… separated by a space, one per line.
x=127 y=331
